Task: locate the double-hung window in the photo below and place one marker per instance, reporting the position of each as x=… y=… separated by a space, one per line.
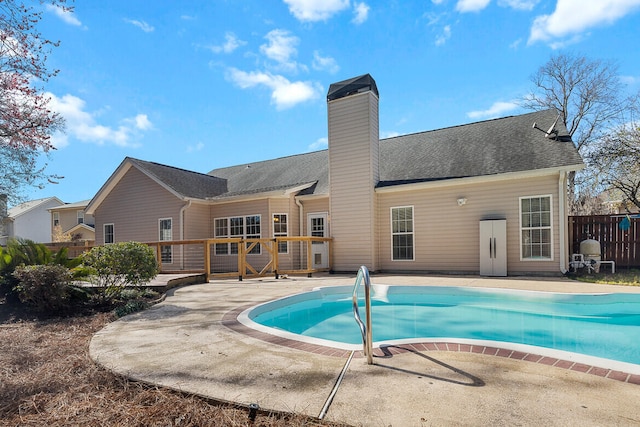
x=166 y=233
x=56 y=219
x=108 y=233
x=221 y=231
x=244 y=227
x=280 y=230
x=536 y=240
x=402 y=241
x=80 y=216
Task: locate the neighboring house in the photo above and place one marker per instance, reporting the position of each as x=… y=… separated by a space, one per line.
x=30 y=220
x=71 y=220
x=487 y=197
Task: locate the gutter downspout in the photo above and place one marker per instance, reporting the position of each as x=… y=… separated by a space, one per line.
x=182 y=209
x=562 y=216
x=301 y=223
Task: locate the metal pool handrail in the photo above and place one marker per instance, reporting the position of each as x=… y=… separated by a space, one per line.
x=365 y=330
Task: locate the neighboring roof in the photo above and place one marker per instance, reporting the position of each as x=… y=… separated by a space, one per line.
x=83 y=226
x=76 y=205
x=352 y=86
x=25 y=207
x=491 y=147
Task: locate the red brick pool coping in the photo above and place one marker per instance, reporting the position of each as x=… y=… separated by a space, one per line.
x=230 y=320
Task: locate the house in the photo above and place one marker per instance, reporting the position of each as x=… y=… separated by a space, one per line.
x=70 y=222
x=30 y=220
x=487 y=197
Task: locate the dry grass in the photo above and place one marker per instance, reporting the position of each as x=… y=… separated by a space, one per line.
x=623 y=277
x=47 y=378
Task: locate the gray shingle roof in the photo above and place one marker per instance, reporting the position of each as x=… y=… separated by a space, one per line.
x=281 y=173
x=186 y=183
x=484 y=148
x=489 y=147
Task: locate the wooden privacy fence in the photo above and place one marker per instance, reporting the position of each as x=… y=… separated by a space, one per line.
x=618 y=242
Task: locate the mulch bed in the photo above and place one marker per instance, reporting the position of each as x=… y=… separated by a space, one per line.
x=47 y=378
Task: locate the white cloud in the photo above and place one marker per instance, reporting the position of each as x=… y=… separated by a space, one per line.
x=66 y=15
x=142 y=122
x=630 y=80
x=361 y=13
x=446 y=35
x=464 y=6
x=437 y=1
x=284 y=93
x=572 y=17
x=316 y=10
x=82 y=125
x=519 y=4
x=327 y=63
x=320 y=144
x=281 y=47
x=193 y=148
x=231 y=43
x=496 y=110
x=140 y=24
x=515 y=44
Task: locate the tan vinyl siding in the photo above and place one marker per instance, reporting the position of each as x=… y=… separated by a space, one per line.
x=134 y=207
x=196 y=226
x=197 y=223
x=69 y=218
x=447 y=235
x=353 y=157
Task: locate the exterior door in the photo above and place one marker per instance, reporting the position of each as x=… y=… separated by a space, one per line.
x=317 y=226
x=493 y=247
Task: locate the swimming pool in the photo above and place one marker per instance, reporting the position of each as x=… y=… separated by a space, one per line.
x=598 y=326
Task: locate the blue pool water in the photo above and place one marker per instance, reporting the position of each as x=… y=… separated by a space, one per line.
x=601 y=325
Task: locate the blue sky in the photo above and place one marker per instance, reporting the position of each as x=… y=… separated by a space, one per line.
x=206 y=84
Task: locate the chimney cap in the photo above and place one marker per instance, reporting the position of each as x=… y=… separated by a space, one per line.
x=352 y=86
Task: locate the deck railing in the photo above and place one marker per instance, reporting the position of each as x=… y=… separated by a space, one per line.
x=237 y=257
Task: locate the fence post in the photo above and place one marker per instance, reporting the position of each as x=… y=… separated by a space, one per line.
x=241 y=267
x=207 y=260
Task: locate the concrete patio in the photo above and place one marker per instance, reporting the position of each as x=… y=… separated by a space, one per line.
x=190 y=342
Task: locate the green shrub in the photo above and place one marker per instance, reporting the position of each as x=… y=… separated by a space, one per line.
x=21 y=252
x=130 y=307
x=129 y=293
x=114 y=266
x=45 y=288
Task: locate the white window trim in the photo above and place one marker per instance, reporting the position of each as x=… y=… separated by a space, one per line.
x=56 y=218
x=104 y=232
x=161 y=240
x=413 y=227
x=273 y=230
x=551 y=213
x=79 y=214
x=160 y=231
x=244 y=231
